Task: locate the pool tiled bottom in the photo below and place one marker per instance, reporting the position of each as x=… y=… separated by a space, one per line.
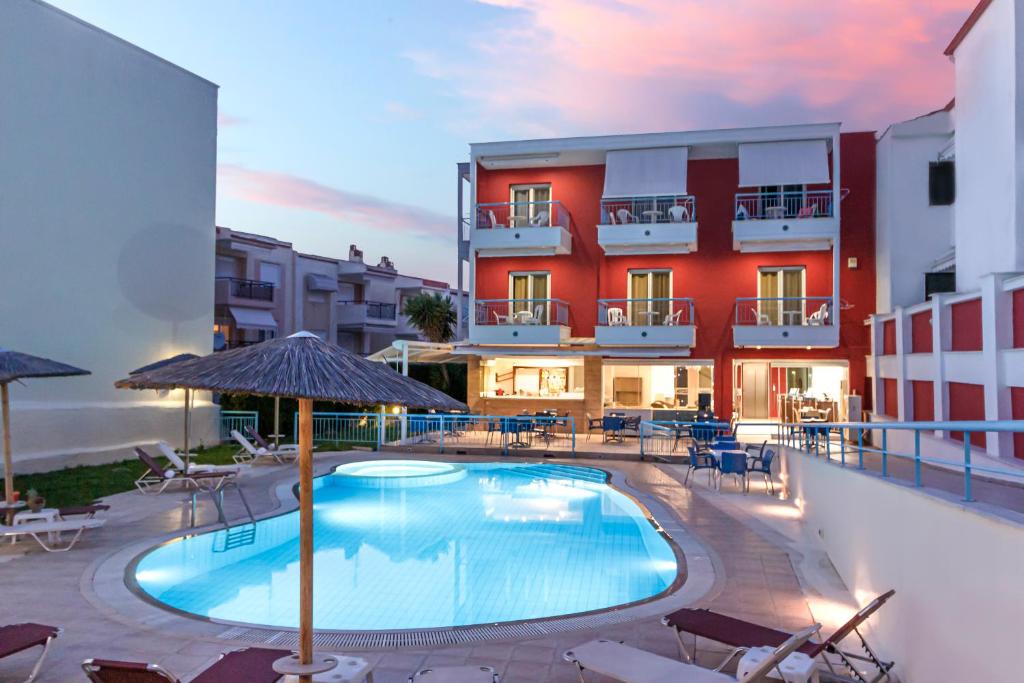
x=504 y=543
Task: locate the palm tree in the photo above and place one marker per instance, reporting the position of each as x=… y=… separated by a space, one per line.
x=434 y=316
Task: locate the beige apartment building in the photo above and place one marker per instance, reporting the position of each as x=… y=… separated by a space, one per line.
x=264 y=289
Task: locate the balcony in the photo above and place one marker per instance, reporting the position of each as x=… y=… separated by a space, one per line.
x=356 y=314
x=233 y=290
x=648 y=225
x=645 y=322
x=784 y=221
x=785 y=322
x=522 y=229
x=520 y=321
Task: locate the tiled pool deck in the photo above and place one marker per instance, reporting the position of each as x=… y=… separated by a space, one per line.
x=747 y=556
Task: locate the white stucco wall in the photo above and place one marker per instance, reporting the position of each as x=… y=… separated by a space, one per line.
x=956 y=570
x=989 y=119
x=909 y=234
x=107 y=184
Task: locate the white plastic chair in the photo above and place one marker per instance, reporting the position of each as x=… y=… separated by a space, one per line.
x=541 y=219
x=611 y=217
x=679 y=214
x=616 y=317
x=500 y=319
x=538 y=315
x=625 y=216
x=673 y=319
x=494 y=219
x=819 y=317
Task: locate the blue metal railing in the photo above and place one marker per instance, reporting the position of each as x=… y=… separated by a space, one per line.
x=522 y=312
x=634 y=312
x=778 y=311
x=506 y=432
x=781 y=205
x=681 y=208
x=237 y=420
x=544 y=214
x=815 y=439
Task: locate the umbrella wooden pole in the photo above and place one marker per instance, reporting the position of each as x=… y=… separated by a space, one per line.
x=8 y=459
x=277 y=422
x=306 y=534
x=188 y=413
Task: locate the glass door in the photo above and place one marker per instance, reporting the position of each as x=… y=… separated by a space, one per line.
x=529 y=294
x=528 y=201
x=781 y=296
x=649 y=292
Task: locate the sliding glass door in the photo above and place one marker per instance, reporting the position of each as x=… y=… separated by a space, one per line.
x=781 y=295
x=529 y=294
x=644 y=287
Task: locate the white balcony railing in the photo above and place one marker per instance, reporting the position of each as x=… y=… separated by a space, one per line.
x=813 y=311
x=498 y=215
x=782 y=205
x=644 y=312
x=665 y=209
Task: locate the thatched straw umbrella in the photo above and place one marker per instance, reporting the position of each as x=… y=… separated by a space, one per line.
x=307 y=368
x=15 y=366
x=188 y=395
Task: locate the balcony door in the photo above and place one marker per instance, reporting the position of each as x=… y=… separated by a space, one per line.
x=781 y=199
x=529 y=294
x=644 y=287
x=780 y=293
x=527 y=202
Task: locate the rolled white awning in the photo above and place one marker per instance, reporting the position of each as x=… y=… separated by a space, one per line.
x=315 y=282
x=645 y=172
x=797 y=162
x=253 y=318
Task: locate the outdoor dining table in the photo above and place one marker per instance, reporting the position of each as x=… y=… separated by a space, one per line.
x=515 y=428
x=612 y=426
x=652 y=215
x=649 y=316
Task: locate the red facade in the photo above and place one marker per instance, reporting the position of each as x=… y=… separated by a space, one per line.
x=967 y=402
x=921 y=332
x=923 y=392
x=966 y=317
x=716 y=274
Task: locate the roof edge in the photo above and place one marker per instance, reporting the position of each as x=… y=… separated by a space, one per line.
x=972 y=19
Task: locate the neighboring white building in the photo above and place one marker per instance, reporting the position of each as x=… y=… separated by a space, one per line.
x=960 y=355
x=107 y=184
x=914 y=220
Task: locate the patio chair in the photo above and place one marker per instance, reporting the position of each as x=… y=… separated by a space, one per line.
x=700 y=460
x=252 y=665
x=493 y=219
x=594 y=424
x=501 y=319
x=806 y=211
x=540 y=220
x=733 y=463
x=48 y=534
x=763 y=465
x=193 y=467
x=819 y=317
x=678 y=214
x=469 y=673
x=625 y=216
x=631 y=665
x=156 y=479
x=267 y=446
x=632 y=425
x=741 y=635
x=15 y=638
x=673 y=319
x=611 y=217
x=616 y=317
x=249 y=454
x=87 y=511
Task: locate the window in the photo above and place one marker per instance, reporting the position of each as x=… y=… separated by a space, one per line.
x=941 y=183
x=226 y=267
x=644 y=287
x=527 y=202
x=270 y=272
x=529 y=293
x=785 y=200
x=780 y=292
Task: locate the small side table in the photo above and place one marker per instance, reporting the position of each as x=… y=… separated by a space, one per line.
x=45 y=515
x=796 y=668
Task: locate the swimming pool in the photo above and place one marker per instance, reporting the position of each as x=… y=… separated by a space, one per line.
x=415 y=544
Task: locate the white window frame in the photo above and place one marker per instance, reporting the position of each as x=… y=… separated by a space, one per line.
x=280 y=272
x=780 y=304
x=650 y=283
x=531 y=188
x=531 y=273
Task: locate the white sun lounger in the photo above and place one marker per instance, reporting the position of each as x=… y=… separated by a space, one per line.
x=249 y=453
x=193 y=467
x=631 y=665
x=42 y=531
x=455 y=674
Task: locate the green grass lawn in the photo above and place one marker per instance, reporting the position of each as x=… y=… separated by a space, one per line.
x=83 y=484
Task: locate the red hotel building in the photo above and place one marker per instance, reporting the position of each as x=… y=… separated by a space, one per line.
x=654 y=274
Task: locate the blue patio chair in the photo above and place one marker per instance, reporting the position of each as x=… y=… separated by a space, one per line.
x=734 y=463
x=700 y=460
x=763 y=466
x=493 y=425
x=612 y=428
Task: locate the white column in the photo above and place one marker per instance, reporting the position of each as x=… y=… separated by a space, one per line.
x=941 y=340
x=996 y=335
x=904 y=410
x=874 y=337
x=837 y=193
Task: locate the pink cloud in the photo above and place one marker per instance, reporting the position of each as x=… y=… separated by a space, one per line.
x=564 y=66
x=295 y=192
x=227 y=120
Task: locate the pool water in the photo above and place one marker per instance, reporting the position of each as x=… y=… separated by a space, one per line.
x=463 y=544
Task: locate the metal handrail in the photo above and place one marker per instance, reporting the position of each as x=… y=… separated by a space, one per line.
x=784 y=311
x=640 y=312
x=521 y=311
x=782 y=205
x=649 y=209
x=498 y=215
x=259 y=290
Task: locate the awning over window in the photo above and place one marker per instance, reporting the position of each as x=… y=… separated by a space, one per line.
x=798 y=162
x=645 y=172
x=253 y=318
x=315 y=282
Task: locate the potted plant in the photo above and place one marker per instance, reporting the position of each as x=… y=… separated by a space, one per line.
x=34 y=501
